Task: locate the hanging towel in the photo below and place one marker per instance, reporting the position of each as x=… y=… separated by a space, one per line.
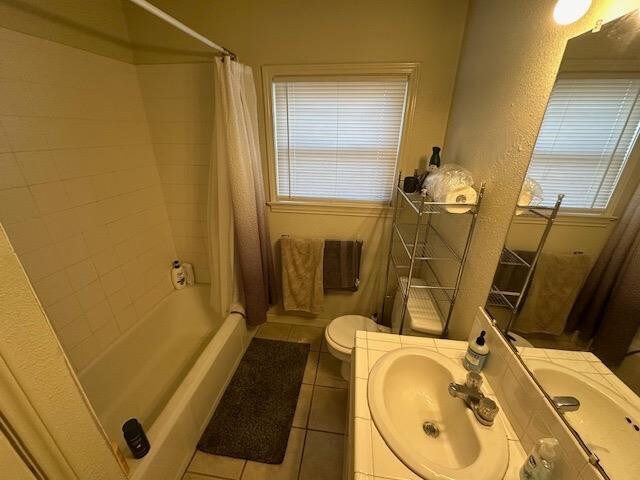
x=302 y=274
x=341 y=265
x=554 y=287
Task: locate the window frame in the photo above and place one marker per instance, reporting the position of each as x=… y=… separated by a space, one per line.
x=409 y=71
x=629 y=175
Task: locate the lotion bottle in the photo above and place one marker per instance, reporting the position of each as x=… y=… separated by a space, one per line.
x=539 y=464
x=178 y=277
x=477 y=354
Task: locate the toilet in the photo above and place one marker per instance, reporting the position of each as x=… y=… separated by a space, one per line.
x=422 y=319
x=340 y=337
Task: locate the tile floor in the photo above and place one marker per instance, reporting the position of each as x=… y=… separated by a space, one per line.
x=316 y=442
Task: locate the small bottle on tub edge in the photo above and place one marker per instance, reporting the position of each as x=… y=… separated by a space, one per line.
x=135 y=437
x=178 y=276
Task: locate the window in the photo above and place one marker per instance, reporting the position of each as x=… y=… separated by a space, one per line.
x=587 y=134
x=337 y=138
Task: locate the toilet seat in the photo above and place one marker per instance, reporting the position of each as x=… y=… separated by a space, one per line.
x=340 y=333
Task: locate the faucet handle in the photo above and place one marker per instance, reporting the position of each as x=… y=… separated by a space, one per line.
x=474 y=380
x=486 y=411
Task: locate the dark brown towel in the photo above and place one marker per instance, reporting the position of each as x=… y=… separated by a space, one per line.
x=341 y=265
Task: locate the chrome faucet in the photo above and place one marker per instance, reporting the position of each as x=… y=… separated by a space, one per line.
x=566 y=404
x=484 y=409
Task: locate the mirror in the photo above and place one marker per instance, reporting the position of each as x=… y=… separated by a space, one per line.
x=567 y=288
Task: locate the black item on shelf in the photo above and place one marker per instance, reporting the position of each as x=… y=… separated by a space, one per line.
x=135 y=437
x=411 y=184
x=435 y=158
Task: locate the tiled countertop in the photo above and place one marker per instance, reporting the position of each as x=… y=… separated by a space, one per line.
x=373 y=460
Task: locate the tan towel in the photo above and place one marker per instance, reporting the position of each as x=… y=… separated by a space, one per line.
x=302 y=274
x=554 y=287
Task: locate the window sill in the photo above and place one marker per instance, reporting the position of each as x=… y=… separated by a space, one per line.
x=329 y=208
x=570 y=220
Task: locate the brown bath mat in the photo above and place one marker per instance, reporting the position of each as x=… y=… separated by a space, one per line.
x=255 y=413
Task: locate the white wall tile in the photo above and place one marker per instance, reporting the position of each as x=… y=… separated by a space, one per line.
x=80 y=194
x=10 y=174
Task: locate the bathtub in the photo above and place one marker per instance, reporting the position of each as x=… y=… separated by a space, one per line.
x=169 y=371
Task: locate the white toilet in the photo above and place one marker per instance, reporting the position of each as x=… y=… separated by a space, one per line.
x=340 y=336
x=422 y=319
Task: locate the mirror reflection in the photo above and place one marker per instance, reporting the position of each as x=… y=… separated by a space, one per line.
x=566 y=291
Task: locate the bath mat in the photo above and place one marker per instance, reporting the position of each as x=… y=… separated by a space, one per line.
x=256 y=411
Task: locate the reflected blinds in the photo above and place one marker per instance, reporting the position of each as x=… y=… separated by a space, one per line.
x=587 y=134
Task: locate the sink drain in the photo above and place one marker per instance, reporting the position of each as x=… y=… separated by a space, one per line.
x=431 y=429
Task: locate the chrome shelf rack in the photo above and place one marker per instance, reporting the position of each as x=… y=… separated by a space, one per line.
x=512 y=301
x=418 y=243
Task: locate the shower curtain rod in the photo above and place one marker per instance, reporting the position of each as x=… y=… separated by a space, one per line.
x=152 y=9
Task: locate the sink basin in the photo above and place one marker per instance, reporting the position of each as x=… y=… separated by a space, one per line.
x=408 y=387
x=605 y=421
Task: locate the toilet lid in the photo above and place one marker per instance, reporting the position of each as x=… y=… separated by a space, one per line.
x=342 y=330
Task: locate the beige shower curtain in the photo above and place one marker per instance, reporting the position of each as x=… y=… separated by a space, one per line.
x=608 y=307
x=240 y=248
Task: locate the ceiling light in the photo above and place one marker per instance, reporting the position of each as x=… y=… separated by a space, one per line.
x=568 y=11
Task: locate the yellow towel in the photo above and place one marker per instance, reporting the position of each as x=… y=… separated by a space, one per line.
x=554 y=287
x=302 y=274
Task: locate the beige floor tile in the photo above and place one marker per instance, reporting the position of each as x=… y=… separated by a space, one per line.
x=322 y=459
x=329 y=372
x=287 y=470
x=328 y=409
x=197 y=476
x=323 y=346
x=302 y=408
x=216 y=465
x=311 y=368
x=274 y=331
x=311 y=335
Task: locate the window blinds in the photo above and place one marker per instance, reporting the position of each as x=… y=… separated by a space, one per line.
x=586 y=137
x=338 y=139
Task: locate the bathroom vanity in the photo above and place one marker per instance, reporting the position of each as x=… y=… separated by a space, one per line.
x=525 y=411
x=369 y=456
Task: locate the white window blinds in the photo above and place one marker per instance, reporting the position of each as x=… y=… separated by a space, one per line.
x=586 y=137
x=338 y=139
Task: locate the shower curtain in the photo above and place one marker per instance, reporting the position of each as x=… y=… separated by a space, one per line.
x=608 y=306
x=240 y=248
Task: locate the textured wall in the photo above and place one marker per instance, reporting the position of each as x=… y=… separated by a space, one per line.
x=35 y=358
x=179 y=103
x=80 y=195
x=511 y=53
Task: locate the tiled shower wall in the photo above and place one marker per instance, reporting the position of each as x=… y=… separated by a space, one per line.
x=80 y=194
x=178 y=100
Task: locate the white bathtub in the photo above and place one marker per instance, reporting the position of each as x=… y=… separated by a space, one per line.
x=169 y=371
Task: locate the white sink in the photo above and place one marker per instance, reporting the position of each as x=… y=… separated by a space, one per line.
x=605 y=421
x=408 y=387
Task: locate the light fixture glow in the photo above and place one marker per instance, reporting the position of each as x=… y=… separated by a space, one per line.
x=568 y=11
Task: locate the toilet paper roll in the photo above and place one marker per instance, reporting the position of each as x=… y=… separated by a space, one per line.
x=462 y=196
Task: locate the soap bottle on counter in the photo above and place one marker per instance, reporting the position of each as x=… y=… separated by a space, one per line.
x=477 y=354
x=539 y=464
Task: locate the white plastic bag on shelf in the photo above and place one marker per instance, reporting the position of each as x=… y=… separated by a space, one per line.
x=530 y=194
x=452 y=185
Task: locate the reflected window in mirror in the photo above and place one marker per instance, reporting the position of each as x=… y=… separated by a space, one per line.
x=588 y=132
